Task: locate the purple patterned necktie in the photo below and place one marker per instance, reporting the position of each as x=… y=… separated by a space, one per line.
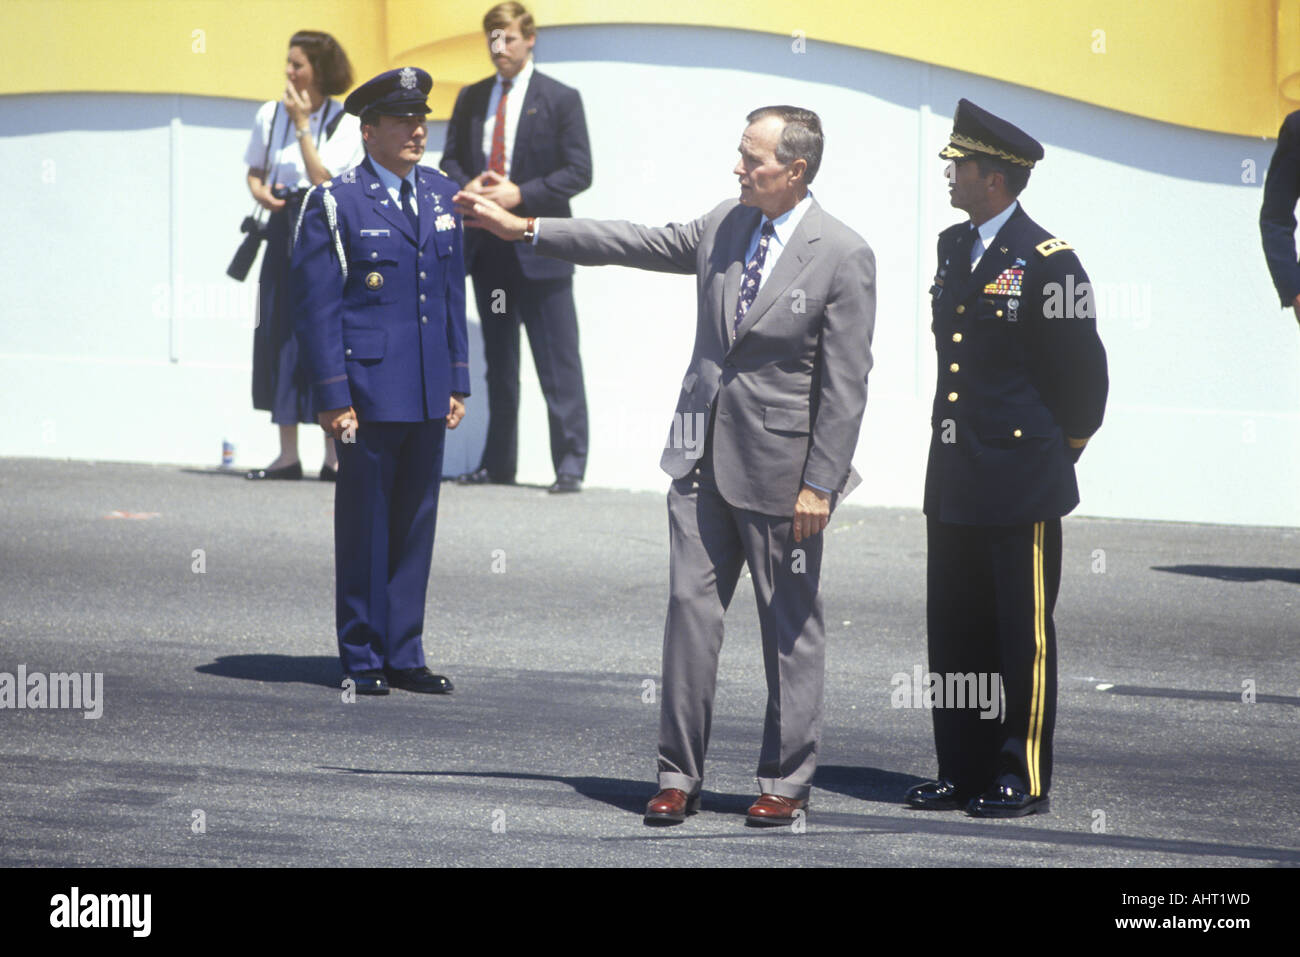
x=753 y=272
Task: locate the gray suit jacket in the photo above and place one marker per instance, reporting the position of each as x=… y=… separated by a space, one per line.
x=790 y=391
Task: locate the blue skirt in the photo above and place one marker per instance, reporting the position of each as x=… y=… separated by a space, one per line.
x=281 y=385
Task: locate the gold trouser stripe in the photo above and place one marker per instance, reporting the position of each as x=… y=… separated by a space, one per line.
x=1033 y=742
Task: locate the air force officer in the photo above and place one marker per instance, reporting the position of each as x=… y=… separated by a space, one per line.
x=378 y=279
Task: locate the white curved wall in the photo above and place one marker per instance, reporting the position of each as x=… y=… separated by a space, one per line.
x=122 y=339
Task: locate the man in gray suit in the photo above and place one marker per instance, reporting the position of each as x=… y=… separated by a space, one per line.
x=776 y=389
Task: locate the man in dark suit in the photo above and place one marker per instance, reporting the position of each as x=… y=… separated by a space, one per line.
x=520 y=139
x=378 y=280
x=1277 y=214
x=1022 y=385
x=761 y=445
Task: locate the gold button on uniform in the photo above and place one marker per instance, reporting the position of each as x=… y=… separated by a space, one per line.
x=374 y=281
x=956 y=337
x=1016 y=433
x=998 y=313
x=960 y=310
x=952 y=396
x=954 y=367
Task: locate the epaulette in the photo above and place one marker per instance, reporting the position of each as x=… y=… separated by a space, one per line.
x=331 y=206
x=1049 y=246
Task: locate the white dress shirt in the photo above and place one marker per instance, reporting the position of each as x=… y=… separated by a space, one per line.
x=514 y=107
x=784 y=226
x=988 y=231
x=285 y=164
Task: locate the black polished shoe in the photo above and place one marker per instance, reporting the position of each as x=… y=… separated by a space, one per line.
x=368 y=682
x=940 y=795
x=1003 y=801
x=290 y=472
x=482 y=477
x=566 y=483
x=420 y=680
x=328 y=474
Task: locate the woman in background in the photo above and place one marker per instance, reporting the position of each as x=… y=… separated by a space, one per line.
x=297 y=142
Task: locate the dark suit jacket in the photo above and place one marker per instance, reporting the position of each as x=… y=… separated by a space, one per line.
x=1277 y=214
x=1021 y=373
x=790 y=390
x=390 y=339
x=551 y=161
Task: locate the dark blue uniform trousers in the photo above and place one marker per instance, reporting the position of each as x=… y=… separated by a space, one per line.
x=385 y=511
x=991 y=591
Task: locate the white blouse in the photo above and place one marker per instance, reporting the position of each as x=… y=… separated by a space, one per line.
x=338 y=152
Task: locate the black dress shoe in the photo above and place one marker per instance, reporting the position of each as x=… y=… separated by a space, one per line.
x=369 y=682
x=482 y=477
x=1003 y=801
x=566 y=483
x=290 y=472
x=420 y=680
x=328 y=474
x=940 y=795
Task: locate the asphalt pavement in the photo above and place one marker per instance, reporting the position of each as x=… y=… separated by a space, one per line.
x=206 y=602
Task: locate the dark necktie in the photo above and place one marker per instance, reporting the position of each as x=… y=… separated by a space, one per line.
x=409 y=209
x=753 y=273
x=497 y=161
x=959 y=263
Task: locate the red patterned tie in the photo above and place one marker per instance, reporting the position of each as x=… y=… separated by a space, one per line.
x=497 y=162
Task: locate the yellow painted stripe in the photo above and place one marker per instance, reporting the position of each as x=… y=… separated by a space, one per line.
x=1033 y=741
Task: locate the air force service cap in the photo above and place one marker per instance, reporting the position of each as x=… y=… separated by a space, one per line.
x=977 y=131
x=394 y=93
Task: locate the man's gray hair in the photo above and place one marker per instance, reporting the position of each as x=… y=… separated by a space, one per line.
x=800 y=139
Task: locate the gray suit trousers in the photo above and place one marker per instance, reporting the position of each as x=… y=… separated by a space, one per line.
x=710 y=542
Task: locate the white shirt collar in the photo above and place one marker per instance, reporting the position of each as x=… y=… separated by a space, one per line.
x=989 y=230
x=785 y=224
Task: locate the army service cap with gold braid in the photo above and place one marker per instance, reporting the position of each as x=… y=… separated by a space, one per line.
x=977 y=131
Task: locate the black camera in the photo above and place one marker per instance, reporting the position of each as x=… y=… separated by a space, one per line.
x=247 y=251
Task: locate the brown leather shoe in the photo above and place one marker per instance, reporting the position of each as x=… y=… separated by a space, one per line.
x=670 y=806
x=771 y=810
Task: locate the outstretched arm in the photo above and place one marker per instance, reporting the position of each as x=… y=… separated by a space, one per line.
x=592 y=242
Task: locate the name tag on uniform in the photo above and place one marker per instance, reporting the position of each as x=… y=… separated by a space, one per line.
x=444 y=222
x=374 y=232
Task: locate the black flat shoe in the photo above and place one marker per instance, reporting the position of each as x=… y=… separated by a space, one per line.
x=328 y=474
x=941 y=795
x=1006 y=801
x=482 y=477
x=566 y=483
x=419 y=680
x=288 y=472
x=368 y=682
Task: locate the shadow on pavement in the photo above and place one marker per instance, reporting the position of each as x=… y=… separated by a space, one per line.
x=622 y=793
x=1234 y=573
x=867 y=784
x=309 y=669
x=1138 y=691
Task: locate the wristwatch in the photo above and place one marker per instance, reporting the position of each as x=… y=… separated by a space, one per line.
x=300 y=133
x=530 y=230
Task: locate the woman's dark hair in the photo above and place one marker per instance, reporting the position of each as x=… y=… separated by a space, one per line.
x=328 y=61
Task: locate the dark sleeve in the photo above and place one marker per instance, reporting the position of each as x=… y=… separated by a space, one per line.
x=1068 y=357
x=573 y=175
x=316 y=305
x=1277 y=220
x=453 y=164
x=457 y=335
